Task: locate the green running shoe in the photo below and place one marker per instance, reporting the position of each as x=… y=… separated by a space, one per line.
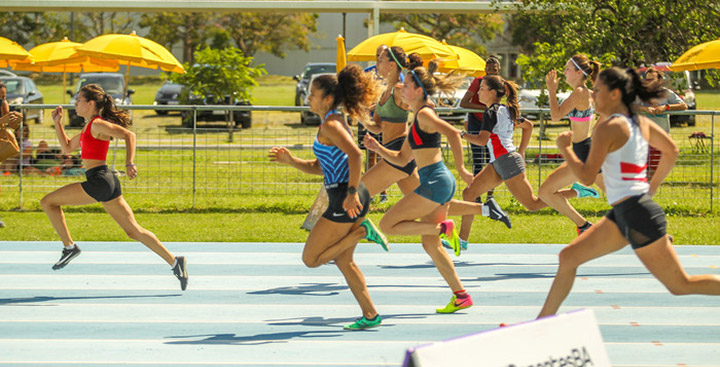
x=450 y=235
x=363 y=323
x=463 y=244
x=584 y=192
x=456 y=304
x=373 y=234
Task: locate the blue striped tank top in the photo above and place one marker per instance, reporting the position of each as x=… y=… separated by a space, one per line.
x=333 y=161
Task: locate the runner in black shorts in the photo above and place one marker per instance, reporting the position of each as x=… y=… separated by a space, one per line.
x=103 y=123
x=621 y=149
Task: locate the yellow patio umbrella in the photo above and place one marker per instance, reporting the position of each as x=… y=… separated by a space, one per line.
x=427 y=47
x=131 y=50
x=11 y=52
x=703 y=56
x=467 y=62
x=341 y=58
x=62 y=57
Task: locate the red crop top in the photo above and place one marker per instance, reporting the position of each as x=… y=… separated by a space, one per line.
x=92 y=148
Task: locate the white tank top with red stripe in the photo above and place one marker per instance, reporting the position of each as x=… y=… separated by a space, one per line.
x=625 y=170
x=496 y=120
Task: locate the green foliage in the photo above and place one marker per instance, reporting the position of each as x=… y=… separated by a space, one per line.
x=250 y=32
x=464 y=30
x=219 y=73
x=634 y=32
x=548 y=57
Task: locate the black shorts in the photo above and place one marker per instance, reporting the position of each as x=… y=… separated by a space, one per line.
x=640 y=220
x=396 y=145
x=336 y=196
x=582 y=149
x=102 y=184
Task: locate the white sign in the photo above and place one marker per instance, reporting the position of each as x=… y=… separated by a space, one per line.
x=567 y=340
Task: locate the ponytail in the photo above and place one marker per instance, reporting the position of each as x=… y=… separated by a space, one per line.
x=502 y=88
x=431 y=83
x=631 y=86
x=105 y=105
x=589 y=68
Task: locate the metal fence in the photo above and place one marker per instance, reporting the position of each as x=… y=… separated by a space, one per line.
x=205 y=165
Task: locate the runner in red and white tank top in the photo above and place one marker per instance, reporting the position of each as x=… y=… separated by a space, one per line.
x=625 y=170
x=620 y=147
x=496 y=120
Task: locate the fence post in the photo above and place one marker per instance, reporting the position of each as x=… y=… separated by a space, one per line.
x=20 y=158
x=540 y=150
x=194 y=187
x=712 y=158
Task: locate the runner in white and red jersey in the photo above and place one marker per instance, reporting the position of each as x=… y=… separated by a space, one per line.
x=507 y=163
x=620 y=147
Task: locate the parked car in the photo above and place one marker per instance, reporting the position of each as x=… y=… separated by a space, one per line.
x=7 y=73
x=22 y=90
x=528 y=100
x=303 y=80
x=168 y=94
x=112 y=83
x=682 y=84
x=241 y=118
x=307 y=117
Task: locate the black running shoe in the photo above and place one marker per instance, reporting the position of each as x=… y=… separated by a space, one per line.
x=496 y=213
x=66 y=256
x=180 y=271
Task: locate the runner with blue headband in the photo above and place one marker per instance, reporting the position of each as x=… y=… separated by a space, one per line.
x=424 y=211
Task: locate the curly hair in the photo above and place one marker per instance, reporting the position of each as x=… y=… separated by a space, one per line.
x=353 y=89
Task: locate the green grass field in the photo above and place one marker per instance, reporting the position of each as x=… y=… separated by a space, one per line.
x=267 y=215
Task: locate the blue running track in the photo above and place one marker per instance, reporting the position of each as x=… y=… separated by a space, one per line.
x=255 y=304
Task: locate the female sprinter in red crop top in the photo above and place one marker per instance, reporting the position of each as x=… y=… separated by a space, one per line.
x=104 y=122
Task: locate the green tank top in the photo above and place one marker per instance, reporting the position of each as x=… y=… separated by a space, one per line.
x=390 y=112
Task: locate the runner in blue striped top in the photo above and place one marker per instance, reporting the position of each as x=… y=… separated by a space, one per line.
x=339 y=160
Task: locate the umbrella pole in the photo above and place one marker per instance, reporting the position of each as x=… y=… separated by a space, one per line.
x=127 y=77
x=64 y=85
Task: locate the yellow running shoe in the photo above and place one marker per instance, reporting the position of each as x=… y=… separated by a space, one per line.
x=456 y=304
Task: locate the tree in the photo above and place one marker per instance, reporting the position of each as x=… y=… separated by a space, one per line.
x=270 y=32
x=635 y=32
x=463 y=30
x=219 y=73
x=34 y=28
x=168 y=29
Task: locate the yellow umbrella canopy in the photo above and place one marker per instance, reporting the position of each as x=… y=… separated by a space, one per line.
x=341 y=58
x=131 y=50
x=703 y=56
x=427 y=47
x=62 y=57
x=11 y=52
x=467 y=62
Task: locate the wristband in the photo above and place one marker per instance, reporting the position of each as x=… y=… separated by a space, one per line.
x=667 y=107
x=462 y=134
x=351 y=190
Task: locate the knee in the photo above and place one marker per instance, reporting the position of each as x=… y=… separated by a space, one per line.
x=677 y=290
x=545 y=193
x=310 y=261
x=468 y=195
x=46 y=203
x=385 y=226
x=567 y=261
x=134 y=232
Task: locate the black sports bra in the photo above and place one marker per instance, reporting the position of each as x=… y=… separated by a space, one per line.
x=420 y=139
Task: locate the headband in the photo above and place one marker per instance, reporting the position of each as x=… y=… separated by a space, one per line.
x=394 y=58
x=417 y=80
x=578 y=67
